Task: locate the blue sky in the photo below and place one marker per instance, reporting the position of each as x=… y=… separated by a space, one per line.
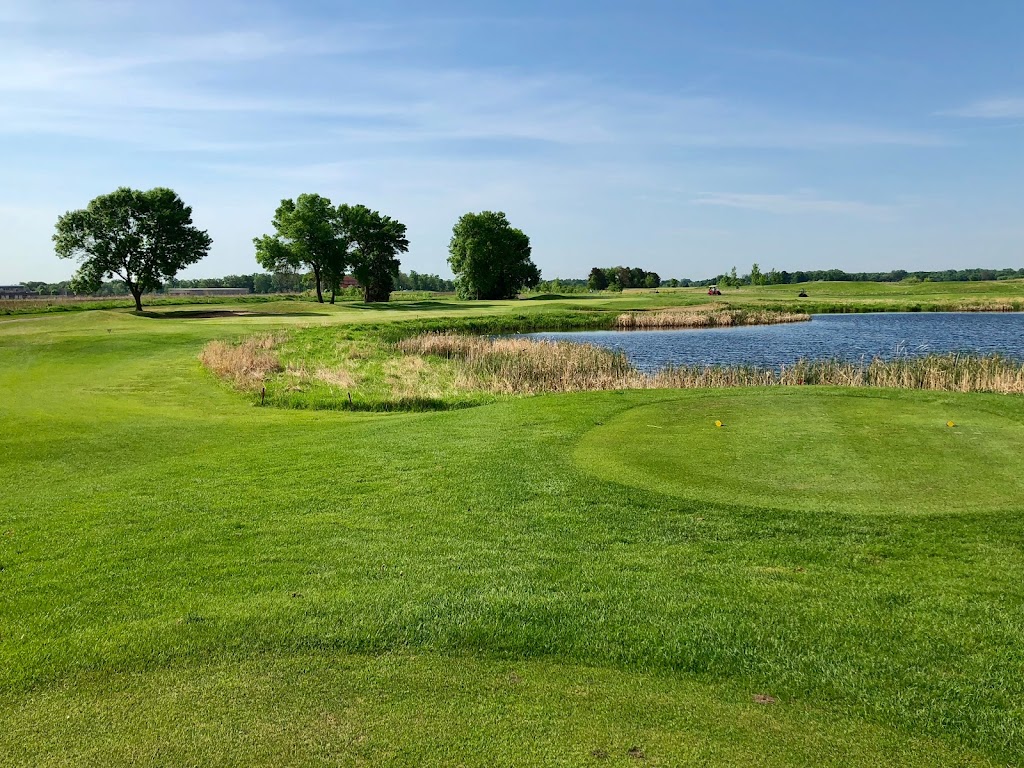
x=684 y=137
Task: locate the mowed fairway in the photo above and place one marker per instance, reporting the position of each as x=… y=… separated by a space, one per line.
x=604 y=579
x=824 y=450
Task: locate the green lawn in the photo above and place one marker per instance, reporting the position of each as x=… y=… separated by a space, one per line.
x=873 y=297
x=820 y=451
x=604 y=579
x=822 y=297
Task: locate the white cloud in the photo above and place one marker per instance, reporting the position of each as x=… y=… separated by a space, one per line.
x=229 y=88
x=991 y=109
x=40 y=69
x=798 y=203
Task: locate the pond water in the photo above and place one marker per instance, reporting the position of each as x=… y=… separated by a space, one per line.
x=846 y=337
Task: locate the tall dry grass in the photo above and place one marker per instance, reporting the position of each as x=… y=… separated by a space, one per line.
x=946 y=373
x=245 y=364
x=993 y=305
x=524 y=366
x=695 y=317
x=512 y=366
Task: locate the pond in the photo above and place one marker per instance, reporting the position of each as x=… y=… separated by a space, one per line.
x=846 y=337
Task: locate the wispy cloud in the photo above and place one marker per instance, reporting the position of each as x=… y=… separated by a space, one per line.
x=1009 y=107
x=796 y=203
x=427 y=117
x=43 y=69
x=228 y=89
x=757 y=131
x=789 y=57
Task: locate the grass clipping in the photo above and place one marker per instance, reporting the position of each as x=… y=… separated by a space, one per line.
x=246 y=364
x=525 y=366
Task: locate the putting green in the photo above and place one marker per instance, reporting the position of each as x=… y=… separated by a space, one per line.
x=818 y=449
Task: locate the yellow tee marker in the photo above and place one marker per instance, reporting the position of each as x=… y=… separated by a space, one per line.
x=950 y=424
x=718 y=424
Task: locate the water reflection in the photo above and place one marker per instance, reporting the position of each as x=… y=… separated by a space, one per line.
x=847 y=337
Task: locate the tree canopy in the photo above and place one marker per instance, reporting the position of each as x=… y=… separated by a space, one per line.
x=597 y=280
x=312 y=233
x=490 y=258
x=414 y=281
x=140 y=238
x=309 y=234
x=377 y=240
x=619 y=278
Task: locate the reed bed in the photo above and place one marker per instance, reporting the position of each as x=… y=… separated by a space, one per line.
x=990 y=306
x=702 y=318
x=946 y=373
x=524 y=366
x=245 y=364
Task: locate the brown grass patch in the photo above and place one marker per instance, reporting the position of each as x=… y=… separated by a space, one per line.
x=410 y=376
x=337 y=377
x=245 y=364
x=522 y=366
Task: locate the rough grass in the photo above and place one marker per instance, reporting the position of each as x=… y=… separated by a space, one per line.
x=360 y=370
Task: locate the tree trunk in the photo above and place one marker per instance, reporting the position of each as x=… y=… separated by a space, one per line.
x=376 y=291
x=319 y=291
x=332 y=295
x=137 y=295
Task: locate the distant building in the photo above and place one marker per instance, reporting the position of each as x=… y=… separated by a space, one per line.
x=207 y=291
x=349 y=282
x=15 y=292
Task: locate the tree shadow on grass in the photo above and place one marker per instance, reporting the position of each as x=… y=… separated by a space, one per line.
x=563 y=297
x=397 y=405
x=206 y=314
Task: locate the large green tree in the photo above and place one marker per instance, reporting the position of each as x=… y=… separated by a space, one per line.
x=377 y=240
x=490 y=258
x=598 y=280
x=309 y=234
x=140 y=238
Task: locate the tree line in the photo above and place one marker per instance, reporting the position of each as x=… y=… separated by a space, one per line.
x=781 y=277
x=142 y=239
x=257 y=282
x=620 y=278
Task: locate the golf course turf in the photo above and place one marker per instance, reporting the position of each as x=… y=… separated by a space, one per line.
x=832 y=577
x=826 y=450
